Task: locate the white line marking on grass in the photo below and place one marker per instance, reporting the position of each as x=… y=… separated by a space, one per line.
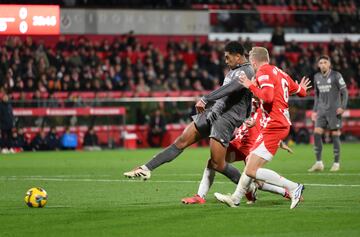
x=334 y=185
x=58 y=206
x=56 y=176
x=325 y=174
x=16 y=178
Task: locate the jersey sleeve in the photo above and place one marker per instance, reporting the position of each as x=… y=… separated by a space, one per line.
x=264 y=78
x=340 y=82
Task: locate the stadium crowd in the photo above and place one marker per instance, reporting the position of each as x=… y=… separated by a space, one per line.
x=126 y=64
x=316 y=16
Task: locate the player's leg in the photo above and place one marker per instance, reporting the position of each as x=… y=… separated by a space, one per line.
x=204 y=186
x=218 y=163
x=254 y=170
x=264 y=149
x=320 y=124
x=271 y=188
x=209 y=176
x=220 y=136
x=189 y=136
x=335 y=134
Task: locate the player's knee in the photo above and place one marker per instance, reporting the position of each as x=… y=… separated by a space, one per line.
x=181 y=142
x=259 y=184
x=251 y=172
x=336 y=133
x=216 y=165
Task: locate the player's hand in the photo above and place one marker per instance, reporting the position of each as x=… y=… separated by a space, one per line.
x=253 y=80
x=250 y=123
x=340 y=111
x=305 y=83
x=244 y=80
x=314 y=116
x=286 y=147
x=200 y=106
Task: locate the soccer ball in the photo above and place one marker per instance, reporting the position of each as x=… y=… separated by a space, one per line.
x=36 y=197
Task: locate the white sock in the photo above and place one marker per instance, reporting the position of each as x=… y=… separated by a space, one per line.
x=241 y=188
x=270 y=176
x=272 y=189
x=319 y=162
x=143 y=167
x=206 y=182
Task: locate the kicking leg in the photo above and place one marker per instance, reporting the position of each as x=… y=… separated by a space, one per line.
x=189 y=136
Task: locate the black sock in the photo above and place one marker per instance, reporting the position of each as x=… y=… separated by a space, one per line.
x=336 y=143
x=166 y=155
x=232 y=173
x=318 y=146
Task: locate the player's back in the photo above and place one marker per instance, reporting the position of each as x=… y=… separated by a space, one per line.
x=278 y=109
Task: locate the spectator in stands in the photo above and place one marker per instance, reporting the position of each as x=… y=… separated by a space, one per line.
x=142 y=87
x=69 y=140
x=91 y=140
x=6 y=123
x=353 y=87
x=52 y=139
x=39 y=141
x=278 y=40
x=19 y=140
x=52 y=102
x=157 y=128
x=38 y=101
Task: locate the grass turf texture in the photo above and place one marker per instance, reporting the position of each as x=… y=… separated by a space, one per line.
x=88 y=196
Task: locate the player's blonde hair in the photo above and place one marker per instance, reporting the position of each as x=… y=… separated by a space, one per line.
x=260 y=54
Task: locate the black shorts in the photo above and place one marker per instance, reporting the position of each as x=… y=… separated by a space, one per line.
x=221 y=129
x=328 y=121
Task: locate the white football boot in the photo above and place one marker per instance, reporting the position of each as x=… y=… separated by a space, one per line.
x=227 y=199
x=296 y=195
x=318 y=166
x=335 y=167
x=138 y=173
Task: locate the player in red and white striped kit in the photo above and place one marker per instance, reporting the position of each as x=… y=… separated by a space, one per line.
x=238 y=150
x=273 y=88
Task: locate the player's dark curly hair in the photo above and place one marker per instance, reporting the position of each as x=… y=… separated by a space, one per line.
x=234 y=47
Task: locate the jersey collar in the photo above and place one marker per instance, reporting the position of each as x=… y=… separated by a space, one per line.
x=240 y=65
x=326 y=75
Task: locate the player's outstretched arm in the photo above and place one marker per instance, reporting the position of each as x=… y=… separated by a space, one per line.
x=305 y=85
x=223 y=91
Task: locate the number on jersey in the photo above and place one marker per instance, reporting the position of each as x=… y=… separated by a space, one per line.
x=285 y=87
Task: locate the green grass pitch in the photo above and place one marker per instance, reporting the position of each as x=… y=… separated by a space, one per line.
x=88 y=196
